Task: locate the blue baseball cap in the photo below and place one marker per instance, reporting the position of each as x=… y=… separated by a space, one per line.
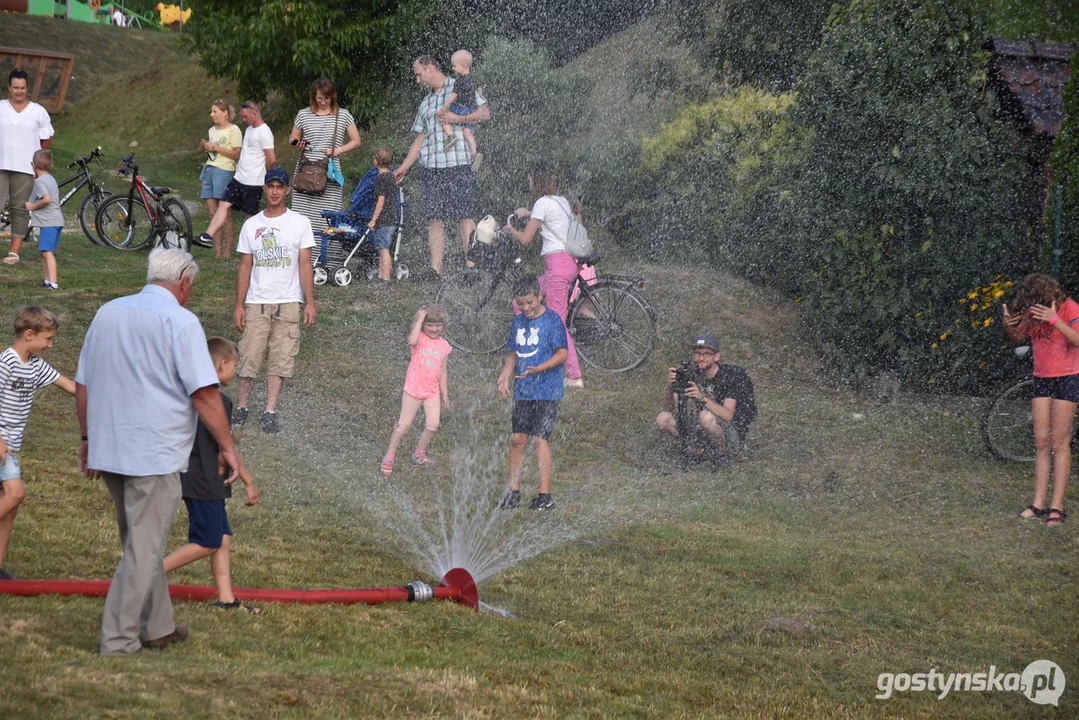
x=276 y=175
x=707 y=340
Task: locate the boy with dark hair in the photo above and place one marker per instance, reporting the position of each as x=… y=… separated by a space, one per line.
x=537 y=350
x=22 y=373
x=205 y=490
x=384 y=218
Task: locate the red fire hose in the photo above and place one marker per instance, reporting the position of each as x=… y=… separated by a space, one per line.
x=457 y=585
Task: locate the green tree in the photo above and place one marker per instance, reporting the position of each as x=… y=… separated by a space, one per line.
x=282 y=45
x=915 y=191
x=764 y=42
x=1065 y=165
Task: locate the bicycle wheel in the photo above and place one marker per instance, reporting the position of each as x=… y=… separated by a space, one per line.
x=88 y=215
x=124 y=223
x=612 y=327
x=1008 y=424
x=176 y=226
x=480 y=305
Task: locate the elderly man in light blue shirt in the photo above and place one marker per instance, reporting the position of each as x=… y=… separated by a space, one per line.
x=144 y=372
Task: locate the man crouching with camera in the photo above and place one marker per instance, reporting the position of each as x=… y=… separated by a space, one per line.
x=709 y=406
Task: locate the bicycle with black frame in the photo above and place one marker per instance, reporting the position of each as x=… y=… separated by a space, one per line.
x=144 y=217
x=96 y=194
x=612 y=325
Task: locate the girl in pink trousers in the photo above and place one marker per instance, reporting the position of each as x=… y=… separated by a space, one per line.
x=425 y=384
x=549 y=217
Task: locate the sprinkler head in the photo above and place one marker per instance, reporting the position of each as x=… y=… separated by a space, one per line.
x=461 y=580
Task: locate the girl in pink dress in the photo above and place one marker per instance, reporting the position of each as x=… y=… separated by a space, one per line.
x=425 y=384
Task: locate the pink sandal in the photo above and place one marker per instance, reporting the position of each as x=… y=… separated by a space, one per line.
x=419 y=458
x=387 y=465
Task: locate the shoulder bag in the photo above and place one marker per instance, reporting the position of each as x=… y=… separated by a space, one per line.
x=310 y=176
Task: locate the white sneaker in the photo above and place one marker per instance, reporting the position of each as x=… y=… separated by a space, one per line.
x=477 y=161
x=577 y=383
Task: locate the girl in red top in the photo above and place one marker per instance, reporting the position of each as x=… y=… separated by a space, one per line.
x=1046 y=316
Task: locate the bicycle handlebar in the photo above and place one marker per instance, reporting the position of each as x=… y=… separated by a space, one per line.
x=94 y=154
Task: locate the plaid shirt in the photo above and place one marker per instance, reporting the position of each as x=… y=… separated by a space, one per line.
x=433 y=154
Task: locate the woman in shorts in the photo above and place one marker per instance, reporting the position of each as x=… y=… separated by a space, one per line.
x=1048 y=318
x=222 y=148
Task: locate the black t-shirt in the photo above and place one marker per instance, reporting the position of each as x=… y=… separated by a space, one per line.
x=386 y=186
x=202 y=481
x=731 y=381
x=465 y=87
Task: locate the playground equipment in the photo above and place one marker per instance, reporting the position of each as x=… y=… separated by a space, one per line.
x=50 y=74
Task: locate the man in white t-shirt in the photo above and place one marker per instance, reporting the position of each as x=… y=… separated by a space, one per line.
x=256 y=157
x=273 y=281
x=118 y=17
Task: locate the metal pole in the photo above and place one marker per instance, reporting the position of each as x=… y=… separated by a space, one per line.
x=1057 y=222
x=182 y=20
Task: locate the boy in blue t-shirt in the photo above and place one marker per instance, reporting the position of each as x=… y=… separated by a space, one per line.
x=538 y=349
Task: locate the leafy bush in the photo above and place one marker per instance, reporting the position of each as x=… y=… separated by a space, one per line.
x=915 y=189
x=535 y=109
x=710 y=184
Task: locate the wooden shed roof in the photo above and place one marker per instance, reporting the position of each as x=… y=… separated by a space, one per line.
x=1029 y=78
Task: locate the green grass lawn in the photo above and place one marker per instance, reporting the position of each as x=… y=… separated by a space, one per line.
x=892 y=536
x=883 y=525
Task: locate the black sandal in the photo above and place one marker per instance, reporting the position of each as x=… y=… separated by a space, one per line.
x=1060 y=519
x=1038 y=512
x=237 y=605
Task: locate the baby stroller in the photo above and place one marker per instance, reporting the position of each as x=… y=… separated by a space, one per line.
x=345 y=237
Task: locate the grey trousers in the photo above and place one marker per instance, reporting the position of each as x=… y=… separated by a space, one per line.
x=15 y=189
x=138 y=598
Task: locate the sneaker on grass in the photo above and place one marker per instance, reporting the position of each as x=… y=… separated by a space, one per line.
x=239 y=416
x=269 y=423
x=543 y=501
x=511 y=500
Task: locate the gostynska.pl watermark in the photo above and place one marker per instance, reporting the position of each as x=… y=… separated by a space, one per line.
x=1042 y=682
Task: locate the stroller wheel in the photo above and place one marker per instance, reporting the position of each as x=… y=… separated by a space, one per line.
x=321 y=274
x=402 y=271
x=342 y=277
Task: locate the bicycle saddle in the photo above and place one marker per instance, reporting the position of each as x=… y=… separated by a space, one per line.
x=159 y=190
x=590 y=259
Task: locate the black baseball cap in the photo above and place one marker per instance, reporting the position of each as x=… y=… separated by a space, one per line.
x=706 y=340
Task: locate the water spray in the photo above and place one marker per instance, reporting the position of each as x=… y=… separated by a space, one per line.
x=457 y=585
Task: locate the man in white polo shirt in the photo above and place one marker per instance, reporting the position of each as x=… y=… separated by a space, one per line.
x=273 y=281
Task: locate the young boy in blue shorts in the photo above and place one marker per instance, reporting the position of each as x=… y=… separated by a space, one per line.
x=384 y=218
x=22 y=373
x=45 y=214
x=537 y=350
x=205 y=490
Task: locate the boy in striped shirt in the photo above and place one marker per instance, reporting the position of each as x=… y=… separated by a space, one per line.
x=22 y=372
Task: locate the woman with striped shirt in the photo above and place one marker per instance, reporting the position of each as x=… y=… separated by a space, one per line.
x=313 y=134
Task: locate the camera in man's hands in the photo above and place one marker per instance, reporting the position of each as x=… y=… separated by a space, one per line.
x=687 y=372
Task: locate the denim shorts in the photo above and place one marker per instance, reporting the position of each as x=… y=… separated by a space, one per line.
x=207 y=522
x=382 y=237
x=214 y=182
x=9 y=469
x=447 y=192
x=462 y=110
x=49 y=239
